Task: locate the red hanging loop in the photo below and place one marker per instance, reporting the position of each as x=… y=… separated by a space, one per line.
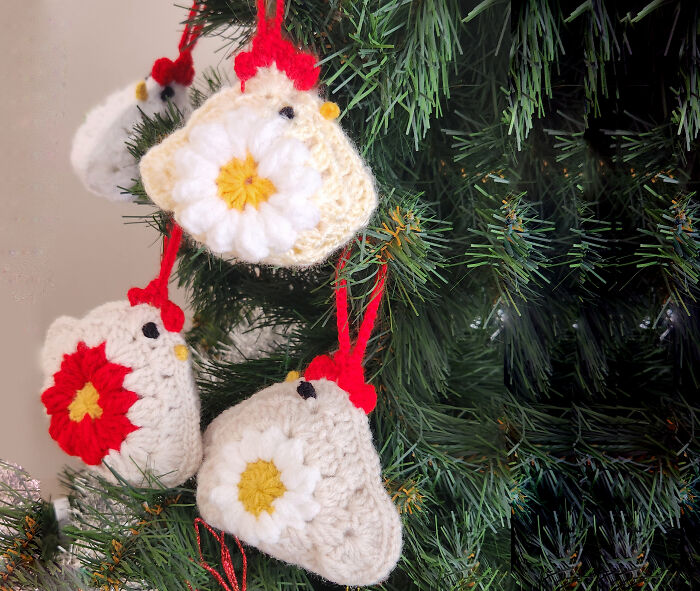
x=156 y=292
x=165 y=71
x=269 y=48
x=226 y=562
x=344 y=367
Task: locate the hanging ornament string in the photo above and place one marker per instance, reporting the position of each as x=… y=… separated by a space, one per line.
x=270 y=48
x=226 y=562
x=165 y=71
x=156 y=293
x=345 y=366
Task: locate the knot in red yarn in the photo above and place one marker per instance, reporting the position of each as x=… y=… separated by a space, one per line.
x=269 y=48
x=157 y=296
x=348 y=373
x=166 y=71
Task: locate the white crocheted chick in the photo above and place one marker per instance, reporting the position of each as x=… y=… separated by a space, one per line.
x=292 y=471
x=264 y=175
x=120 y=392
x=99 y=154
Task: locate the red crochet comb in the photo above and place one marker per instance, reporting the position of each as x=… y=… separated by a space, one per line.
x=156 y=293
x=270 y=48
x=165 y=70
x=345 y=366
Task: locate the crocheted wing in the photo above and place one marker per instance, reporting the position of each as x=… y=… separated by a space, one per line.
x=292 y=471
x=99 y=155
x=119 y=392
x=263 y=176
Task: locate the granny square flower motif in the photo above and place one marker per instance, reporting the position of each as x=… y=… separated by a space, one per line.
x=263 y=176
x=244 y=187
x=265 y=485
x=88 y=404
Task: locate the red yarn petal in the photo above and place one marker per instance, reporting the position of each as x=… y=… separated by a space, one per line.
x=117 y=402
x=90 y=439
x=56 y=399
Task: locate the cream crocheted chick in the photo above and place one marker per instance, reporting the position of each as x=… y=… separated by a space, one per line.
x=263 y=176
x=99 y=154
x=292 y=471
x=120 y=392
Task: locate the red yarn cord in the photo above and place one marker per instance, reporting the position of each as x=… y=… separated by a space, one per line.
x=279 y=14
x=226 y=562
x=262 y=16
x=171 y=244
x=191 y=33
x=341 y=304
x=370 y=316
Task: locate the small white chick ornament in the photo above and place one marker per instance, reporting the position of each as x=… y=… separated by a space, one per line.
x=119 y=387
x=263 y=173
x=293 y=472
x=99 y=154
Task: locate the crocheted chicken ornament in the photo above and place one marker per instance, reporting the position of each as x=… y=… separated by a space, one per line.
x=292 y=471
x=119 y=388
x=263 y=173
x=99 y=154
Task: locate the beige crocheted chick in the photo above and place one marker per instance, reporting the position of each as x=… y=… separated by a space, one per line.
x=263 y=176
x=120 y=392
x=292 y=471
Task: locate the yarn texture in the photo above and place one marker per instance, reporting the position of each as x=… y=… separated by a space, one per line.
x=120 y=392
x=99 y=155
x=334 y=516
x=312 y=192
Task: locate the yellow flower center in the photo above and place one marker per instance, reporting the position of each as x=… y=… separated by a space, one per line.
x=238 y=184
x=260 y=484
x=85 y=403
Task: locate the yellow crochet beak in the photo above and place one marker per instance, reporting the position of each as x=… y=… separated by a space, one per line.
x=141 y=91
x=181 y=352
x=329 y=110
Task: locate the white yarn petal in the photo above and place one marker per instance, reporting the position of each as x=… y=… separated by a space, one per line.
x=302 y=213
x=301 y=187
x=251 y=240
x=280 y=233
x=223 y=495
x=307 y=507
x=199 y=216
x=221 y=237
x=286 y=514
x=233 y=462
x=240 y=124
x=272 y=439
x=308 y=479
x=288 y=458
x=261 y=140
x=268 y=530
x=300 y=181
x=244 y=525
x=211 y=141
x=282 y=155
x=194 y=189
x=251 y=449
x=190 y=164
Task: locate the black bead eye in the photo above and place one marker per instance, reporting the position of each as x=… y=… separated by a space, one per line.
x=287 y=112
x=167 y=93
x=306 y=390
x=150 y=330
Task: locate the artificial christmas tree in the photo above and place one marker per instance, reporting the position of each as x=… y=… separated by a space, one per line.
x=536 y=352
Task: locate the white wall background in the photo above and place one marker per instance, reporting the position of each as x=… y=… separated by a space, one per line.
x=62 y=250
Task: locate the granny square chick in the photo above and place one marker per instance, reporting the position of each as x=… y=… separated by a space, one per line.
x=292 y=470
x=119 y=389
